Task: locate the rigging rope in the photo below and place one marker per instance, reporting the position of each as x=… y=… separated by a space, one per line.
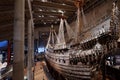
x=70 y=32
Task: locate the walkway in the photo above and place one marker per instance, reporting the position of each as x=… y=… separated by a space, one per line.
x=42 y=72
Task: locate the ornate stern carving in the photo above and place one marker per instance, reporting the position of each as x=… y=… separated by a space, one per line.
x=114 y=23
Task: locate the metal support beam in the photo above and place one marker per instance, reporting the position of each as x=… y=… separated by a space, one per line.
x=18 y=49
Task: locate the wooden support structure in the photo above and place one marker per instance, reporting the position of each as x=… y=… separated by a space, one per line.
x=53 y=5
x=29 y=67
x=18 y=49
x=30 y=44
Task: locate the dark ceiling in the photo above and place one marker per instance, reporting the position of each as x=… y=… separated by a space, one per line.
x=45 y=12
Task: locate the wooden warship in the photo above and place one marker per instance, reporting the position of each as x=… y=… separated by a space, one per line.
x=80 y=61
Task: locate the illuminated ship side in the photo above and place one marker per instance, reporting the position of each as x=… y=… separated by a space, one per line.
x=80 y=58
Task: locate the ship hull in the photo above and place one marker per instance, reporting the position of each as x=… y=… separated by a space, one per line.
x=68 y=71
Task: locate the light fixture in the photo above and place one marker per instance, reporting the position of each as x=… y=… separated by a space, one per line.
x=44 y=0
x=42 y=15
x=39 y=16
x=53 y=10
x=40 y=10
x=44 y=22
x=63 y=4
x=60 y=11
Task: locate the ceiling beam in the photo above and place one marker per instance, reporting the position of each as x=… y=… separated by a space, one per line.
x=67 y=2
x=6 y=2
x=6 y=25
x=7 y=36
x=6 y=15
x=52 y=8
x=6 y=30
x=5 y=22
x=52 y=5
x=49 y=22
x=6 y=8
x=45 y=18
x=12 y=11
x=46 y=13
x=9 y=13
x=50 y=13
x=41 y=24
x=45 y=23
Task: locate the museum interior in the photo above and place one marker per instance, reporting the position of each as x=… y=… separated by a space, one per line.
x=59 y=39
